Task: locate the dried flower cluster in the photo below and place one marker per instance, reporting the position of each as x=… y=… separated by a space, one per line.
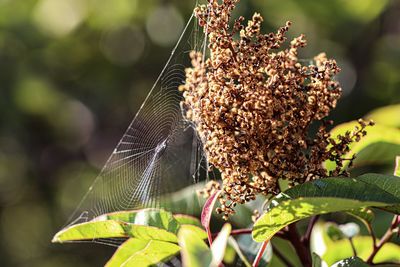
x=253 y=106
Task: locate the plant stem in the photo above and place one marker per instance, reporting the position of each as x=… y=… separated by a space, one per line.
x=281 y=257
x=236 y=232
x=385 y=238
x=307 y=235
x=301 y=250
x=353 y=247
x=260 y=253
x=372 y=233
x=209 y=236
x=246 y=231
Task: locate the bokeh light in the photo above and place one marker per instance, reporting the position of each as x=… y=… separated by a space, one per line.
x=59 y=17
x=123 y=45
x=164 y=25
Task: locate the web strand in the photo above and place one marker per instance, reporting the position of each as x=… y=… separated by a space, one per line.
x=159 y=153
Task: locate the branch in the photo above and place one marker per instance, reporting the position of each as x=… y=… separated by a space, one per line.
x=260 y=254
x=372 y=233
x=353 y=247
x=301 y=250
x=385 y=238
x=236 y=232
x=307 y=235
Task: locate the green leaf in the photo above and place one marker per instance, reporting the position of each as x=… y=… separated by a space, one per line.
x=333 y=231
x=251 y=248
x=342 y=249
x=287 y=250
x=324 y=196
x=234 y=244
x=150 y=233
x=316 y=260
x=151 y=217
x=379 y=146
x=135 y=252
x=195 y=230
x=397 y=167
x=144 y=224
x=218 y=247
x=388 y=116
x=112 y=229
x=187 y=219
x=195 y=251
x=350 y=262
x=387 y=183
x=332 y=250
x=230 y=254
x=185 y=201
x=91 y=230
x=365 y=215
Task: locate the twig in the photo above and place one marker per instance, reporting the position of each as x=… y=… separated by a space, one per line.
x=209 y=236
x=281 y=257
x=260 y=253
x=307 y=235
x=247 y=231
x=385 y=238
x=236 y=232
x=301 y=250
x=353 y=247
x=372 y=233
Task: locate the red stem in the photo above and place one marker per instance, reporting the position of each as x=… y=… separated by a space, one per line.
x=385 y=238
x=209 y=236
x=260 y=253
x=236 y=232
x=302 y=251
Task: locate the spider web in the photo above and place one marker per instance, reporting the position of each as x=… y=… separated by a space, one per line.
x=160 y=152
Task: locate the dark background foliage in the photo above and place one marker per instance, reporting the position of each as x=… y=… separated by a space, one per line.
x=74 y=72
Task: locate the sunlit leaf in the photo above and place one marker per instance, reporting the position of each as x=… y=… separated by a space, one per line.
x=219 y=245
x=397 y=167
x=144 y=224
x=187 y=219
x=195 y=230
x=380 y=146
x=324 y=196
x=135 y=252
x=342 y=249
x=91 y=230
x=150 y=217
x=112 y=229
x=195 y=251
x=388 y=116
x=332 y=250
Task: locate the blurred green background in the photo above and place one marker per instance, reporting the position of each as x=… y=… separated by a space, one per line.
x=74 y=72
